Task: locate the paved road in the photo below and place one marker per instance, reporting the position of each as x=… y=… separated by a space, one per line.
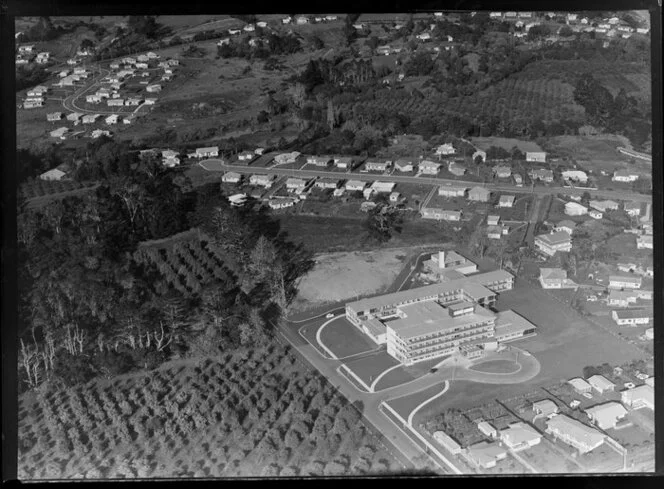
x=538 y=190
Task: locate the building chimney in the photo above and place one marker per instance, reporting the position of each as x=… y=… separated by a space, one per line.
x=441 y=259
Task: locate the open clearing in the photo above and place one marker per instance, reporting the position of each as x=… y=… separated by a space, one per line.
x=496 y=367
x=404 y=405
x=341 y=276
x=371 y=366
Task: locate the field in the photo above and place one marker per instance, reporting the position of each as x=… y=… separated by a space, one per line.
x=505 y=143
x=368 y=272
x=404 y=405
x=587 y=149
x=369 y=367
x=344 y=339
x=47 y=188
x=244 y=414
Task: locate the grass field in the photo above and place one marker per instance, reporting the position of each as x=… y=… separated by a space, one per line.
x=344 y=339
x=496 y=366
x=404 y=405
x=369 y=367
x=245 y=414
x=505 y=143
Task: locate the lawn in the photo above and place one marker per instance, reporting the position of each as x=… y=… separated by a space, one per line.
x=344 y=339
x=396 y=377
x=546 y=459
x=505 y=143
x=519 y=211
x=371 y=366
x=496 y=366
x=405 y=405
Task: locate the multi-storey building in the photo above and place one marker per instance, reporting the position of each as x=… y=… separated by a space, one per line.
x=553 y=242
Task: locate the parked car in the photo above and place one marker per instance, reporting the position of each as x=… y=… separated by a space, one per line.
x=587 y=395
x=629 y=385
x=329 y=316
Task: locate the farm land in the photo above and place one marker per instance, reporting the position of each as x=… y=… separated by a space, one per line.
x=199 y=418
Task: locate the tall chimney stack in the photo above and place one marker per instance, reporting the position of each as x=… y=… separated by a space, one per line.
x=441 y=259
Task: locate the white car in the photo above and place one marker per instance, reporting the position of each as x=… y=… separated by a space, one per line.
x=329 y=316
x=591 y=298
x=587 y=395
x=629 y=385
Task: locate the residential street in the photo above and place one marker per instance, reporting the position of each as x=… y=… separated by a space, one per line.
x=502 y=187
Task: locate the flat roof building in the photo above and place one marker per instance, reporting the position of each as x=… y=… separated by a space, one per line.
x=519 y=436
x=606 y=416
x=582 y=437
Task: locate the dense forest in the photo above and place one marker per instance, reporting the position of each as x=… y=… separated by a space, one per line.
x=97 y=297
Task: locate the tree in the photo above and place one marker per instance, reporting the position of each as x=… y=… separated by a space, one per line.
x=382 y=222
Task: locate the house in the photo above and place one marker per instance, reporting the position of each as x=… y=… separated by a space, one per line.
x=394 y=197
x=97 y=133
x=90 y=118
x=632 y=208
x=536 y=156
x=208 y=152
x=54 y=116
x=261 y=24
x=115 y=102
x=231 y=177
x=555 y=278
x=150 y=101
x=575 y=209
x=233 y=32
x=345 y=162
x=545 y=407
x=510 y=15
x=518 y=180
x=403 y=165
x=456 y=169
x=26 y=48
x=338 y=192
x=606 y=416
x=59 y=133
x=326 y=183
x=127 y=120
x=249 y=28
x=595 y=214
x=281 y=203
x=519 y=436
x=506 y=201
x=447 y=442
x=440 y=214
x=445 y=149
x=425 y=36
x=382 y=187
x=54 y=174
x=479 y=194
x=604 y=205
x=330 y=18
x=21 y=61
x=74 y=116
x=575 y=175
x=566 y=225
x=644 y=242
x=631 y=317
x=153 y=88
x=580 y=385
x=319 y=160
x=112 y=119
x=246 y=156
x=495 y=15
x=286 y=20
x=639 y=397
x=502 y=171
x=427 y=167
x=133 y=101
x=626 y=267
x=261 y=180
x=373 y=165
x=625 y=176
x=285 y=158
x=487 y=429
x=301 y=20
x=582 y=437
x=553 y=242
x=169 y=158
x=641 y=30
x=295 y=183
x=479 y=154
x=354 y=185
x=485 y=455
x=448 y=190
x=542 y=175
x=492 y=220
x=624 y=282
x=38 y=91
x=621 y=298
x=496 y=232
x=601 y=384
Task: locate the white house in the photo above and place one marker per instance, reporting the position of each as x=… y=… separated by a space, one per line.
x=575 y=175
x=551 y=243
x=427 y=167
x=536 y=156
x=506 y=201
x=59 y=133
x=112 y=119
x=606 y=416
x=625 y=176
x=555 y=278
x=246 y=156
x=595 y=214
x=448 y=190
x=644 y=242
x=638 y=397
x=208 y=152
x=519 y=436
x=580 y=385
x=345 y=162
x=631 y=317
x=582 y=437
x=487 y=429
x=153 y=88
x=440 y=214
x=373 y=165
x=601 y=384
x=485 y=454
x=53 y=174
x=295 y=183
x=604 y=205
x=354 y=185
x=448 y=442
x=231 y=177
x=632 y=208
x=575 y=209
x=445 y=149
x=624 y=282
x=382 y=187
x=403 y=165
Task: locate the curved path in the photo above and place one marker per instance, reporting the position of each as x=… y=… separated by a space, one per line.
x=427 y=401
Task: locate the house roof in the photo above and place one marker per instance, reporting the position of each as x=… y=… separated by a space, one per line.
x=485 y=426
x=576 y=430
x=601 y=382
x=643 y=392
x=54 y=173
x=566 y=223
x=553 y=274
x=403 y=162
x=546 y=406
x=518 y=433
x=355 y=183
x=506 y=198
x=579 y=383
x=428 y=163
x=445 y=439
x=632 y=314
x=485 y=452
x=480 y=191
x=625 y=278
x=452 y=188
x=575 y=205
x=232 y=174
x=558 y=237
x=607 y=413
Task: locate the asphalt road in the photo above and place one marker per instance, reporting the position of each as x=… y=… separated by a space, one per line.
x=499 y=187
